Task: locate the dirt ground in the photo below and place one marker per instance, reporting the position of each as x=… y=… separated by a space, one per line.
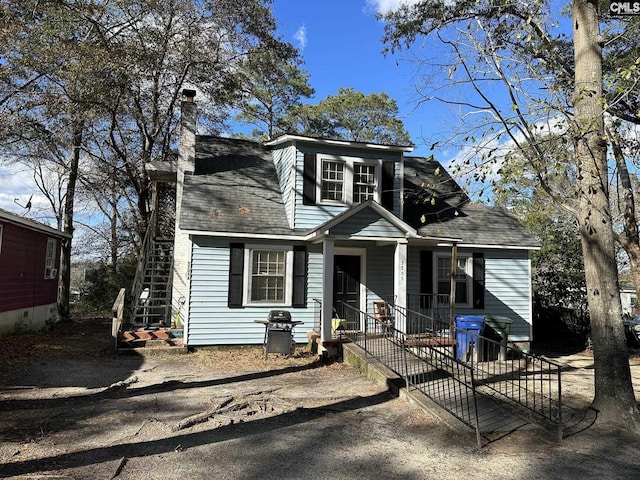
x=70 y=409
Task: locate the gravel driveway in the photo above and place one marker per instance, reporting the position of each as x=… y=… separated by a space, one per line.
x=71 y=409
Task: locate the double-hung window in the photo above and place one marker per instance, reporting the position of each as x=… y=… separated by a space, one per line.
x=332 y=186
x=463 y=278
x=50 y=259
x=364 y=182
x=347 y=180
x=268 y=275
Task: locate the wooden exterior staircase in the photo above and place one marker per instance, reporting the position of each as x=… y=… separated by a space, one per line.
x=151 y=291
x=152 y=305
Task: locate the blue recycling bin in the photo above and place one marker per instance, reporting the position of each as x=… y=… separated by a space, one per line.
x=468 y=327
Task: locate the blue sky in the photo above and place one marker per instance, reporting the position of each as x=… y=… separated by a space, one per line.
x=341 y=42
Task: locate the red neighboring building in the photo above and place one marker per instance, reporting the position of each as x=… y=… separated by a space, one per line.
x=29 y=265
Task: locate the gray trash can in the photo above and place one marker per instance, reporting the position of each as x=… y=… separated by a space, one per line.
x=501 y=326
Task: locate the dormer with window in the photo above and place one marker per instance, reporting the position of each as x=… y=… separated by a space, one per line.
x=320 y=178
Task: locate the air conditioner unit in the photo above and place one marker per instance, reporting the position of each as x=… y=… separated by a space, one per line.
x=53 y=273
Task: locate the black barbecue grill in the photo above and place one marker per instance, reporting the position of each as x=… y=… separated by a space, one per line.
x=278 y=334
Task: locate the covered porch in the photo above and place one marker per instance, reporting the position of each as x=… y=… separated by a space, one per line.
x=366 y=256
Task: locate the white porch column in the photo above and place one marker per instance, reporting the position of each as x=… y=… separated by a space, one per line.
x=400 y=281
x=327 y=289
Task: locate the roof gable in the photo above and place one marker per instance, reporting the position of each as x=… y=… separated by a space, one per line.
x=368 y=219
x=235 y=189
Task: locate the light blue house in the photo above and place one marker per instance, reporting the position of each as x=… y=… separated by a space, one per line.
x=307 y=224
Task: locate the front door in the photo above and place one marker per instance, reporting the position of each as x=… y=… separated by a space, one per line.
x=346 y=283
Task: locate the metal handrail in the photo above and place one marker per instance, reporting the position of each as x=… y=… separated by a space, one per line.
x=429 y=369
x=317 y=313
x=434 y=305
x=532 y=382
x=528 y=380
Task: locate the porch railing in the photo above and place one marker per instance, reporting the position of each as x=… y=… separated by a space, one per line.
x=317 y=314
x=380 y=340
x=431 y=304
x=451 y=384
x=500 y=368
x=528 y=380
x=481 y=363
x=429 y=369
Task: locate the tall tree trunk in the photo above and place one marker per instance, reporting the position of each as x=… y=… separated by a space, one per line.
x=629 y=239
x=614 y=396
x=65 y=261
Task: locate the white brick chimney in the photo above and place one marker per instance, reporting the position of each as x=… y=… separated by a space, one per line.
x=182 y=244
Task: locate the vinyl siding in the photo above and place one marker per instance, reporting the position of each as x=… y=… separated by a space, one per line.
x=22 y=268
x=212 y=322
x=310 y=216
x=379 y=275
x=508 y=290
x=369 y=224
x=507 y=287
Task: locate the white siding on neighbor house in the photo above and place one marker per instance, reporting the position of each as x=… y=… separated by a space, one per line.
x=628 y=299
x=507 y=287
x=212 y=322
x=310 y=216
x=367 y=223
x=283 y=159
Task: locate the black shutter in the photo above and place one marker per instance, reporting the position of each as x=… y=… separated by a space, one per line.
x=236 y=270
x=478 y=280
x=387 y=190
x=309 y=179
x=299 y=276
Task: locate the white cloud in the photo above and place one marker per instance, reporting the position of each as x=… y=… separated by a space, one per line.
x=301 y=37
x=386 y=6
x=14 y=185
x=16 y=188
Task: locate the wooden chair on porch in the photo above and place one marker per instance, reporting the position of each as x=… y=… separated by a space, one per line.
x=383 y=317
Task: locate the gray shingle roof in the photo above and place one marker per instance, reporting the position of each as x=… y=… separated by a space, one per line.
x=435 y=205
x=234 y=189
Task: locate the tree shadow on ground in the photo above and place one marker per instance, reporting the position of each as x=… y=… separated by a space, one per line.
x=189 y=440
